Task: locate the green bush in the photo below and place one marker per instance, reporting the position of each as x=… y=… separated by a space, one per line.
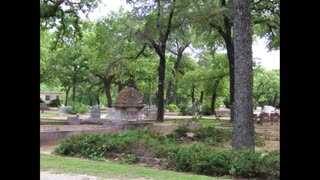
x=54 y=103
x=258 y=141
x=197 y=157
x=79 y=108
x=179 y=132
x=206 y=109
x=128 y=158
x=212 y=136
x=172 y=107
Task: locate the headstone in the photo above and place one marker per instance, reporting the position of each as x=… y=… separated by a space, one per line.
x=43 y=106
x=73 y=120
x=264 y=117
x=128 y=106
x=110 y=114
x=95 y=112
x=152 y=113
x=274 y=117
x=65 y=110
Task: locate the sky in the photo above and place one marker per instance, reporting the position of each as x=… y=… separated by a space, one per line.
x=269 y=60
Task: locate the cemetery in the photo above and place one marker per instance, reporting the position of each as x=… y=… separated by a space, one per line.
x=159 y=89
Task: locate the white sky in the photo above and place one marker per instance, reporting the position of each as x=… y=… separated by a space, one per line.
x=270 y=60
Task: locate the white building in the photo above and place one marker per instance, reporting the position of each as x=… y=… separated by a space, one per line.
x=47 y=96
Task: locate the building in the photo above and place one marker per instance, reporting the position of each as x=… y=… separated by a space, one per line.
x=48 y=96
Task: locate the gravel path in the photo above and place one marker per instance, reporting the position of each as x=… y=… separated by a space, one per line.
x=47 y=175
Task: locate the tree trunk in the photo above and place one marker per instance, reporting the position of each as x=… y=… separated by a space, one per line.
x=161 y=72
x=98 y=99
x=169 y=89
x=175 y=94
x=107 y=87
x=214 y=95
x=192 y=93
x=150 y=100
x=67 y=95
x=74 y=87
x=201 y=97
x=243 y=128
x=275 y=100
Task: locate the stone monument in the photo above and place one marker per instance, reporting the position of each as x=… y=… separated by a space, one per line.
x=127 y=110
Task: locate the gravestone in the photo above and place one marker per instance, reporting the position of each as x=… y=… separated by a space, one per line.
x=73 y=120
x=95 y=112
x=152 y=113
x=127 y=112
x=110 y=112
x=43 y=106
x=128 y=106
x=274 y=117
x=65 y=110
x=264 y=117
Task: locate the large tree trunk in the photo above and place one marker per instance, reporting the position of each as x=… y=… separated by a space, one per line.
x=243 y=128
x=160 y=97
x=67 y=95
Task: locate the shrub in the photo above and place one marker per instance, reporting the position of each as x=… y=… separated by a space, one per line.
x=258 y=141
x=206 y=109
x=172 y=107
x=128 y=158
x=213 y=136
x=54 y=103
x=79 y=108
x=179 y=132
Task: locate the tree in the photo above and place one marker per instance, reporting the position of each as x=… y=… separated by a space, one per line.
x=160 y=15
x=64 y=16
x=243 y=131
x=266 y=87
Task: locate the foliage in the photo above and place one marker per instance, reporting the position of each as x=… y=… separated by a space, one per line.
x=173 y=107
x=54 y=103
x=206 y=109
x=201 y=158
x=80 y=108
x=212 y=136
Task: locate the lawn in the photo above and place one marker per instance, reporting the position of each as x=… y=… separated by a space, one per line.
x=109 y=169
x=204 y=122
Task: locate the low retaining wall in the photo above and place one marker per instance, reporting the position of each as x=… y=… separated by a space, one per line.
x=47 y=137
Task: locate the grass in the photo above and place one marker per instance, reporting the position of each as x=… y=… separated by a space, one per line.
x=51 y=120
x=48 y=113
x=204 y=122
x=109 y=169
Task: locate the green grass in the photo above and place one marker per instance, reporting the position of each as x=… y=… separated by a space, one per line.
x=109 y=169
x=204 y=122
x=48 y=113
x=51 y=120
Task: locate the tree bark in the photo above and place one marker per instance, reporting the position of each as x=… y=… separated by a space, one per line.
x=67 y=95
x=161 y=73
x=275 y=100
x=243 y=128
x=98 y=99
x=201 y=97
x=214 y=95
x=107 y=87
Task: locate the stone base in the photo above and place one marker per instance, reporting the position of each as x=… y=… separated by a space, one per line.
x=129 y=125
